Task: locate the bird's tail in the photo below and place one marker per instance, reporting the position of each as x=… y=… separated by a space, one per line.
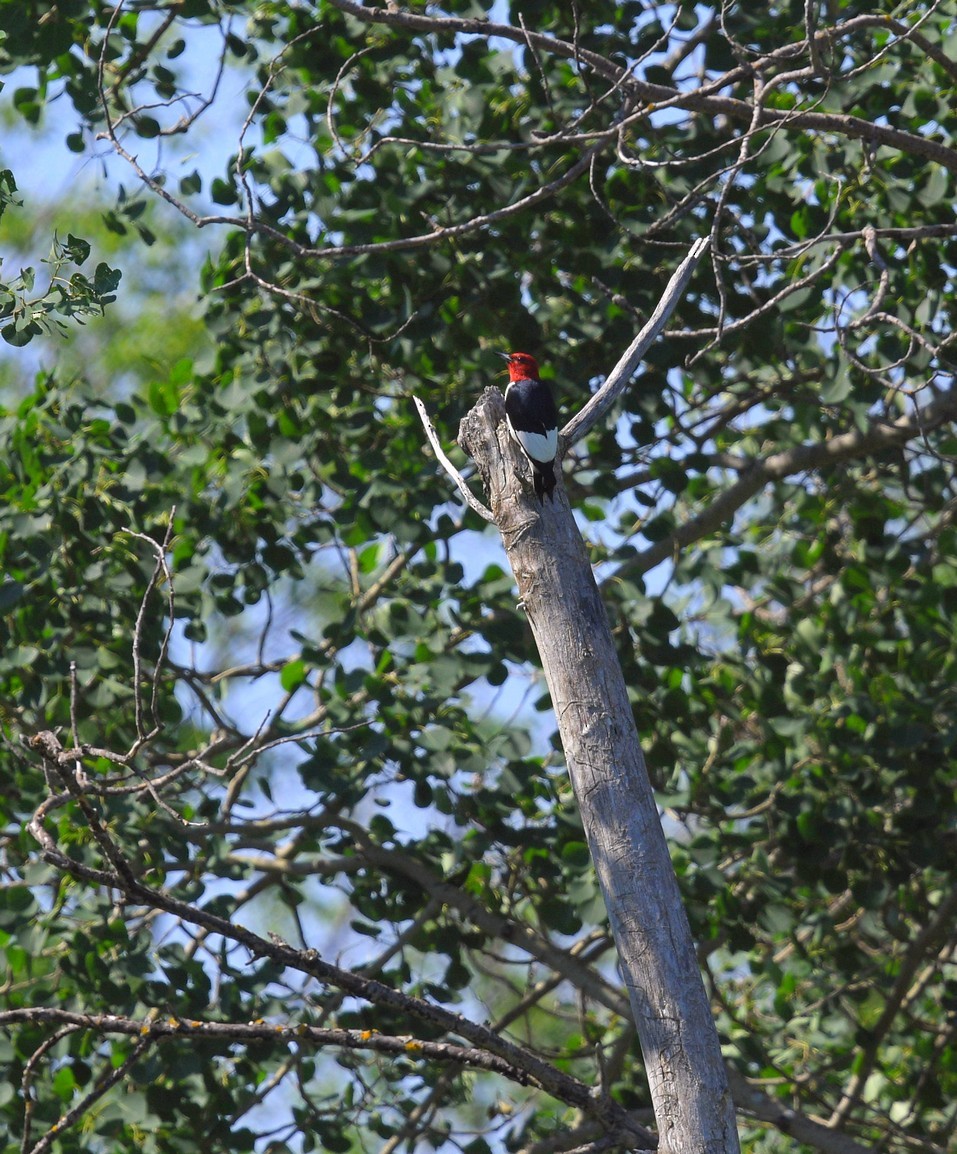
x=543 y=476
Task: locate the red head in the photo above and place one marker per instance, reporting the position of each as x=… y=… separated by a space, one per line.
x=521 y=366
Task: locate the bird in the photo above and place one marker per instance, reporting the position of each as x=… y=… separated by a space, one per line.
x=532 y=420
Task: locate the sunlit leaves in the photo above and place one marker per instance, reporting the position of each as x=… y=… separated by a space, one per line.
x=29 y=308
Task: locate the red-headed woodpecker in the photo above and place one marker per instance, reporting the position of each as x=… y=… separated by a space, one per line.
x=532 y=420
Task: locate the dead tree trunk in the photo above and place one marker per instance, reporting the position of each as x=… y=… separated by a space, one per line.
x=679 y=1042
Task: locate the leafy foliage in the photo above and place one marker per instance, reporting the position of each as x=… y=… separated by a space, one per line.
x=294 y=664
x=24 y=316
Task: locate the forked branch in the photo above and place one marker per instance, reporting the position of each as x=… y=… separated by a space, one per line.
x=616 y=383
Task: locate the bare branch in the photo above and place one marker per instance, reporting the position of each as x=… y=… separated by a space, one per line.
x=160 y=569
x=470 y=499
x=63 y=765
x=620 y=376
x=902 y=31
x=166 y=1027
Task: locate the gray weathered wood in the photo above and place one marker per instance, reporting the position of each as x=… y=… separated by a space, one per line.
x=692 y=1103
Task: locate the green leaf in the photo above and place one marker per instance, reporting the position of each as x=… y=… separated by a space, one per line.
x=106 y=279
x=76 y=249
x=837 y=388
x=294 y=674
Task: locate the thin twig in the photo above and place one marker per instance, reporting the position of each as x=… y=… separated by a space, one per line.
x=26 y=1082
x=160 y=569
x=878 y=436
x=102 y=1085
x=471 y=500
x=74 y=728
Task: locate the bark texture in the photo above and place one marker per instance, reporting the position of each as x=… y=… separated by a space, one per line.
x=679 y=1042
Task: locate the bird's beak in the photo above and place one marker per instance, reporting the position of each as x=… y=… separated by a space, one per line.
x=504 y=356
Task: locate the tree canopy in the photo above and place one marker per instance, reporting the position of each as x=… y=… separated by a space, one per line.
x=262 y=667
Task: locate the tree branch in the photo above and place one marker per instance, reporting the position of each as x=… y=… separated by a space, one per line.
x=706 y=99
x=877 y=436
x=930 y=939
x=620 y=376
x=103 y=1083
x=801 y=1127
x=470 y=499
x=535 y=1070
x=171 y=1027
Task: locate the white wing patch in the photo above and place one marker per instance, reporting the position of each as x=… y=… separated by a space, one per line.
x=538 y=446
